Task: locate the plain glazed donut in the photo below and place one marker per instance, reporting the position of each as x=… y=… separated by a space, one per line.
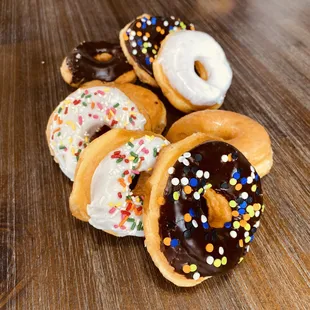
x=202 y=209
x=248 y=136
x=174 y=71
x=102 y=193
x=141 y=39
x=97 y=107
x=96 y=61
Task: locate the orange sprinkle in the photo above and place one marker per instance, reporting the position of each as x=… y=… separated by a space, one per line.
x=55 y=117
x=125 y=109
x=129 y=179
x=167 y=241
x=57 y=129
x=235 y=213
x=156 y=46
x=123 y=221
x=125 y=36
x=158 y=28
x=229 y=157
x=187 y=189
x=59 y=121
x=246 y=217
x=138 y=24
x=256 y=206
x=136 y=211
x=147 y=34
x=238 y=187
x=186 y=269
x=139 y=33
x=92 y=105
x=243 y=223
x=122 y=182
x=151 y=59
x=187 y=217
x=161 y=201
x=241 y=243
x=162 y=31
x=209 y=247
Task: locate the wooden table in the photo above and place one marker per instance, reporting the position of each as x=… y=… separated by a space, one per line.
x=49 y=260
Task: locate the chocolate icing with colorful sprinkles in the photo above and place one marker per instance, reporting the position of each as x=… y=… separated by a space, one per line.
x=85 y=67
x=191 y=243
x=144 y=35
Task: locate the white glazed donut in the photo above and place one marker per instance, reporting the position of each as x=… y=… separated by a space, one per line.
x=102 y=193
x=87 y=110
x=174 y=71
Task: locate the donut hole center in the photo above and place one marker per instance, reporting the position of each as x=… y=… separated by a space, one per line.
x=201 y=70
x=103 y=57
x=134 y=182
x=218 y=209
x=102 y=130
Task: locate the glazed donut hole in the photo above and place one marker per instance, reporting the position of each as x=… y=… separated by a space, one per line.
x=201 y=70
x=103 y=57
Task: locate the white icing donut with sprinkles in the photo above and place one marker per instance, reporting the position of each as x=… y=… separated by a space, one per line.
x=94 y=109
x=174 y=71
x=141 y=39
x=105 y=192
x=203 y=207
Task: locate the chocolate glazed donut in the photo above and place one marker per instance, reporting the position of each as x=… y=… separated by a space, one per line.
x=210 y=207
x=96 y=61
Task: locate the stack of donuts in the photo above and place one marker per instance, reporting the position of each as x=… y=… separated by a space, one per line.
x=194 y=194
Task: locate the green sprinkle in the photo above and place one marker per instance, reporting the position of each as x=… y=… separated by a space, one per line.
x=133 y=154
x=154 y=152
x=136 y=160
x=200 y=190
x=130 y=144
x=59 y=133
x=59 y=110
x=119 y=160
x=88 y=96
x=133 y=226
x=140 y=226
x=62 y=147
x=130 y=220
x=83 y=95
x=116 y=105
x=84 y=104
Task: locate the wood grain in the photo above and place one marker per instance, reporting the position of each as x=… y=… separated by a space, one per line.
x=49 y=260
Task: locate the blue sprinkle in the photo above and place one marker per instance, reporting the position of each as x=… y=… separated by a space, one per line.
x=205 y=225
x=143 y=19
x=139 y=42
x=147 y=60
x=252 y=238
x=153 y=20
x=170 y=27
x=243 y=205
x=241 y=211
x=191 y=212
x=174 y=242
x=243 y=181
x=193 y=182
x=228 y=224
x=143 y=26
x=256 y=177
x=236 y=175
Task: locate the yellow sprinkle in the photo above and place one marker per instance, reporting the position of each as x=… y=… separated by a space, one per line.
x=71 y=124
x=217 y=263
x=253 y=188
x=118 y=204
x=70 y=140
x=86 y=139
x=247 y=227
x=193 y=267
x=72 y=151
x=233 y=182
x=111 y=204
x=131 y=158
x=149 y=169
x=263 y=208
x=131 y=139
x=67 y=101
x=149 y=137
x=224 y=260
x=247 y=239
x=240 y=260
x=236 y=224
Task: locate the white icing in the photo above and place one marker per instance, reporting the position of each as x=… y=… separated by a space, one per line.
x=177 y=57
x=73 y=124
x=107 y=210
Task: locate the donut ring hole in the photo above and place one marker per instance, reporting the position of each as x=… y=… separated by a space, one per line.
x=218 y=209
x=201 y=70
x=99 y=132
x=103 y=57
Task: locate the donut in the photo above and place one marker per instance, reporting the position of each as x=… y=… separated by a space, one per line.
x=141 y=39
x=248 y=136
x=95 y=108
x=108 y=190
x=174 y=71
x=203 y=206
x=96 y=61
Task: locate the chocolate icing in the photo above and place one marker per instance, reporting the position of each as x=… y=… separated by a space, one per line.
x=150 y=29
x=188 y=243
x=84 y=67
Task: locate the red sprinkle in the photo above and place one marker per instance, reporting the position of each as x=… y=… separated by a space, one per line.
x=126 y=161
x=141 y=142
x=119 y=194
x=100 y=92
x=75 y=102
x=96 y=116
x=66 y=110
x=114 y=122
